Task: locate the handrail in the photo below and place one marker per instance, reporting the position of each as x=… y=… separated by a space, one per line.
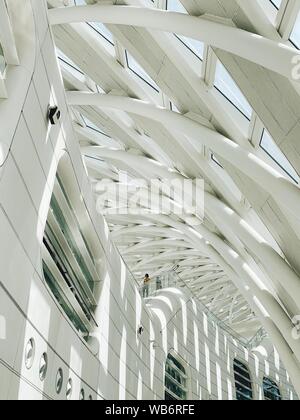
x=249 y=344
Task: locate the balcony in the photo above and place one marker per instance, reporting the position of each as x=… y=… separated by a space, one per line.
x=173 y=280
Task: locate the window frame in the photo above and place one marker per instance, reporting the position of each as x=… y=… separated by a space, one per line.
x=275 y=385
x=127 y=53
x=246 y=368
x=182 y=371
x=273 y=158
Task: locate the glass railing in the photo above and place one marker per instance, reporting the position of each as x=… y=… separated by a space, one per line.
x=163 y=281
x=172 y=279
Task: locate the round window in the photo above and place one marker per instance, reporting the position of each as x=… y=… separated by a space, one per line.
x=30 y=353
x=69 y=389
x=43 y=366
x=59 y=381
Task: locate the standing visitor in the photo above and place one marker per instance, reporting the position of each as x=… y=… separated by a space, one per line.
x=146 y=286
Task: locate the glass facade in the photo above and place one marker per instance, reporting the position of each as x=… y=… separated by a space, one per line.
x=271 y=390
x=195 y=46
x=295 y=35
x=229 y=89
x=138 y=70
x=175 y=380
x=243 y=383
x=68 y=262
x=271 y=148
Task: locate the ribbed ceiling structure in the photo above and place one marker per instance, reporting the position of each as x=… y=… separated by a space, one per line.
x=197 y=89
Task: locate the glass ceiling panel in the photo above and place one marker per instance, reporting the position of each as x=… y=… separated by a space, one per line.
x=295 y=35
x=67 y=61
x=270 y=8
x=103 y=31
x=276 y=3
x=97 y=26
x=227 y=86
x=271 y=148
x=216 y=160
x=93 y=126
x=135 y=67
x=176 y=6
x=196 y=47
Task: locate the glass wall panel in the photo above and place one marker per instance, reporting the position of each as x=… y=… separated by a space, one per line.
x=68 y=262
x=243 y=381
x=175 y=380
x=271 y=390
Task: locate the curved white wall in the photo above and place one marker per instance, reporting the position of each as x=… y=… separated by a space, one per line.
x=27 y=32
x=210 y=352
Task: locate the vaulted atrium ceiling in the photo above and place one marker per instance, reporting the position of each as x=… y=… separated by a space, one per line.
x=249 y=225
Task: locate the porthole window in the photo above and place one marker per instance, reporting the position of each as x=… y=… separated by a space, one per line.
x=59 y=381
x=30 y=353
x=243 y=381
x=69 y=389
x=271 y=390
x=43 y=367
x=82 y=395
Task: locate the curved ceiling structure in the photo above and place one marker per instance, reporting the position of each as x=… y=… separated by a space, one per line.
x=197 y=89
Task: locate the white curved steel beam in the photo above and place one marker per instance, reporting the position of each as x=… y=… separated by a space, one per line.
x=253 y=288
x=272 y=55
x=284 y=191
x=165 y=243
x=283 y=276
x=268 y=310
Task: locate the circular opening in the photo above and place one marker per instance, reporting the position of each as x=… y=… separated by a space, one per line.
x=59 y=381
x=43 y=366
x=69 y=389
x=29 y=353
x=82 y=395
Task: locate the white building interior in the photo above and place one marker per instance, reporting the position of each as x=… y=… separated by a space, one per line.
x=99 y=100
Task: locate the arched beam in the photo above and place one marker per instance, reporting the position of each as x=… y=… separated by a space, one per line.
x=259 y=290
x=286 y=281
x=272 y=55
x=156 y=244
x=267 y=309
x=259 y=298
x=284 y=191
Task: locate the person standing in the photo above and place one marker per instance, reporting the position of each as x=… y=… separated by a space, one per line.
x=146 y=286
